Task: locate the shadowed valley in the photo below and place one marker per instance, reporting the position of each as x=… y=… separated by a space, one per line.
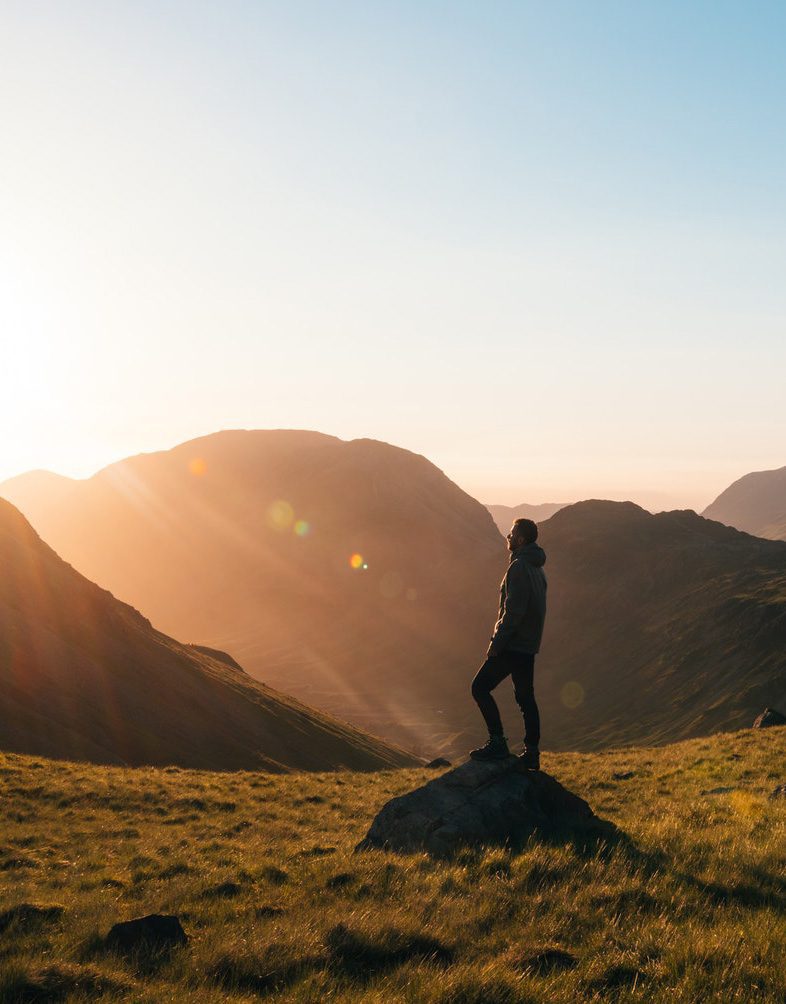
x=86 y=677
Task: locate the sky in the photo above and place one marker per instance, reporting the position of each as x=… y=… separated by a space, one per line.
x=542 y=244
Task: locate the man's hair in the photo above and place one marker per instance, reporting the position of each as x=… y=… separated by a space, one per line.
x=528 y=528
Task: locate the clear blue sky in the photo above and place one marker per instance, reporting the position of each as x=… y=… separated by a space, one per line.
x=542 y=243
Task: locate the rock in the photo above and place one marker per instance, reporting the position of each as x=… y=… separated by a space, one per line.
x=479 y=803
x=155 y=932
x=225 y=890
x=439 y=762
x=623 y=775
x=779 y=792
x=548 y=960
x=769 y=717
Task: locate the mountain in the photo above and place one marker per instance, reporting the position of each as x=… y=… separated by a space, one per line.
x=245 y=541
x=503 y=515
x=755 y=503
x=659 y=627
x=84 y=676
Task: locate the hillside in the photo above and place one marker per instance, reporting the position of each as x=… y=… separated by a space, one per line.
x=86 y=677
x=503 y=515
x=659 y=627
x=244 y=541
x=755 y=503
x=262 y=873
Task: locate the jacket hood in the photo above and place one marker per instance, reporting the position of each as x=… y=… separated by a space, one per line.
x=533 y=554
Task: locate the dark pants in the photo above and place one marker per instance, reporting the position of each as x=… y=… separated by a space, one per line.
x=520 y=667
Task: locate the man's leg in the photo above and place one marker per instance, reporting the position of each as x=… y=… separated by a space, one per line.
x=490 y=675
x=523 y=675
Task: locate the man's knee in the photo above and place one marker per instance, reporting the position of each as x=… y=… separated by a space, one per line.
x=479 y=689
x=524 y=694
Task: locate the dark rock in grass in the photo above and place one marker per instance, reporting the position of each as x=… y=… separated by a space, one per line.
x=340 y=880
x=779 y=792
x=225 y=890
x=439 y=762
x=268 y=911
x=623 y=775
x=498 y=802
x=25 y=916
x=361 y=955
x=155 y=932
x=768 y=718
x=548 y=960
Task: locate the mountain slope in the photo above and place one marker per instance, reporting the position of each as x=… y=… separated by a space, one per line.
x=243 y=541
x=503 y=515
x=755 y=503
x=86 y=677
x=659 y=628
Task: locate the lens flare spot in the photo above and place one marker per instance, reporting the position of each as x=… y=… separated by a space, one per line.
x=197 y=466
x=572 y=694
x=356 y=561
x=280 y=515
x=302 y=527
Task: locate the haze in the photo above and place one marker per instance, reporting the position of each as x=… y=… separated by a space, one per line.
x=541 y=244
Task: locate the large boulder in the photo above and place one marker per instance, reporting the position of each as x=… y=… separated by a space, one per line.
x=479 y=803
x=769 y=717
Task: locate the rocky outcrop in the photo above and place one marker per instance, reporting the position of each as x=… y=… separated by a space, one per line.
x=769 y=717
x=498 y=803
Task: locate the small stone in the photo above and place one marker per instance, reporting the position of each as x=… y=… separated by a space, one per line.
x=779 y=792
x=439 y=762
x=548 y=960
x=768 y=718
x=623 y=775
x=225 y=890
x=152 y=933
x=268 y=911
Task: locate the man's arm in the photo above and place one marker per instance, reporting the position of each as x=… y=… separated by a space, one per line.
x=516 y=599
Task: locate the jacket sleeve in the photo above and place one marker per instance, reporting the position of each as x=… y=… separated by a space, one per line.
x=517 y=590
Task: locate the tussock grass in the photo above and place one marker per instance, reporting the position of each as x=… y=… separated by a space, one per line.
x=261 y=871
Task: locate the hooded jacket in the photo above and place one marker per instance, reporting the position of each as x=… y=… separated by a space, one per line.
x=522 y=602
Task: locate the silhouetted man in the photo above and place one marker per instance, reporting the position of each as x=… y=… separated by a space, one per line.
x=516 y=640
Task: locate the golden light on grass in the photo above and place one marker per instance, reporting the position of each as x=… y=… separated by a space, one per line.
x=572 y=694
x=280 y=515
x=197 y=467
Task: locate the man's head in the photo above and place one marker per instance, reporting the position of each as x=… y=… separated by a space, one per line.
x=523 y=531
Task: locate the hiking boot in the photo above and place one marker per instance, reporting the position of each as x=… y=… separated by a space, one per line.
x=530 y=758
x=495 y=749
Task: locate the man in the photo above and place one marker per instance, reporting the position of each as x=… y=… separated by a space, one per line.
x=516 y=640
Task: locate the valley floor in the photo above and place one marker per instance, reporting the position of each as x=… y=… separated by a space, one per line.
x=261 y=871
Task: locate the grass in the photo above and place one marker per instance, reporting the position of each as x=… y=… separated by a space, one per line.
x=261 y=871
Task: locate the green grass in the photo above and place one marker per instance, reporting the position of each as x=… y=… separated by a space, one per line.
x=261 y=871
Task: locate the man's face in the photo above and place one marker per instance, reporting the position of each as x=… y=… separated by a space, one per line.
x=515 y=539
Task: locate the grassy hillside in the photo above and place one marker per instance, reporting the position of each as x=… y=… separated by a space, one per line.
x=243 y=540
x=85 y=677
x=261 y=871
x=659 y=627
x=755 y=503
